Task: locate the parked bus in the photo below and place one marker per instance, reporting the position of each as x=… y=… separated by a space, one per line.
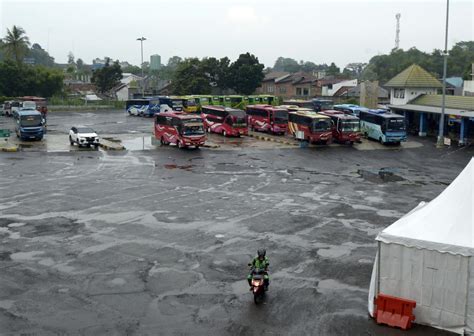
x=383 y=126
x=267 y=118
x=147 y=107
x=224 y=120
x=300 y=103
x=345 y=127
x=182 y=129
x=233 y=101
x=189 y=104
x=269 y=99
x=310 y=126
x=29 y=124
x=350 y=109
x=254 y=100
x=322 y=104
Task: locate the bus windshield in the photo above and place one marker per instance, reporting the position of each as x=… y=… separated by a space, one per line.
x=321 y=125
x=280 y=116
x=237 y=118
x=395 y=124
x=31 y=121
x=192 y=128
x=190 y=102
x=350 y=126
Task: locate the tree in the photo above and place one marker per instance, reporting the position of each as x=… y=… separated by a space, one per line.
x=246 y=74
x=107 y=77
x=19 y=80
x=133 y=69
x=286 y=64
x=191 y=78
x=16 y=44
x=80 y=64
x=40 y=55
x=333 y=70
x=70 y=58
x=217 y=71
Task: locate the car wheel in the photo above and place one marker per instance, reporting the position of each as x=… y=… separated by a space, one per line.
x=70 y=141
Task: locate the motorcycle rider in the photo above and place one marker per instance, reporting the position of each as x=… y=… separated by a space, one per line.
x=260 y=262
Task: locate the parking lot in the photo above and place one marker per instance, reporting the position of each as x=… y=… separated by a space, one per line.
x=155 y=241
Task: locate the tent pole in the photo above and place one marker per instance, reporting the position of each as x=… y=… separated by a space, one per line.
x=378 y=269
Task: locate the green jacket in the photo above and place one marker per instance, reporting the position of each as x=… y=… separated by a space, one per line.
x=260 y=264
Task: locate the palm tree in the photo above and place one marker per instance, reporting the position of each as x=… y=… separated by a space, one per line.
x=16 y=43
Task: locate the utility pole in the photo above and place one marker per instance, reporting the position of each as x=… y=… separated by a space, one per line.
x=445 y=66
x=141 y=39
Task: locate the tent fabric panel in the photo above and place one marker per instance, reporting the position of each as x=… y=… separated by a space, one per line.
x=436 y=281
x=447 y=220
x=470 y=299
x=423 y=244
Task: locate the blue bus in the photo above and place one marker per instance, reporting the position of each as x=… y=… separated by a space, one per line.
x=148 y=106
x=383 y=126
x=29 y=124
x=350 y=109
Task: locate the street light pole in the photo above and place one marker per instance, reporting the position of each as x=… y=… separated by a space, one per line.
x=141 y=39
x=445 y=66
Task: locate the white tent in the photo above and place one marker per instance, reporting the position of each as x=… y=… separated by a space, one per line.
x=426 y=256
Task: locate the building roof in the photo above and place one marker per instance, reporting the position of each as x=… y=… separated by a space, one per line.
x=454 y=102
x=274 y=75
x=455 y=81
x=414 y=77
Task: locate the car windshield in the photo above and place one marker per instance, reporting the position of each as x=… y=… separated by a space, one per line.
x=85 y=130
x=395 y=124
x=192 y=129
x=321 y=125
x=31 y=121
x=280 y=116
x=350 y=125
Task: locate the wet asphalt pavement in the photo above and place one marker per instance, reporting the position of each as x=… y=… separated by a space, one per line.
x=157 y=242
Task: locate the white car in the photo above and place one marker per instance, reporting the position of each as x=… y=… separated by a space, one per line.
x=83 y=136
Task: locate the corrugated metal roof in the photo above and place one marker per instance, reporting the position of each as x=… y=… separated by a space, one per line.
x=414 y=77
x=455 y=102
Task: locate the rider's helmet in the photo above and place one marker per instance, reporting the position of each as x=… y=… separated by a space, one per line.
x=261 y=253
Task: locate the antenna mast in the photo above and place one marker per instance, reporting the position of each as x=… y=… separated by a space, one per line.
x=397 y=35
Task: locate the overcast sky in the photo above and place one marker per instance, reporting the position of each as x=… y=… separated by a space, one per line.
x=310 y=30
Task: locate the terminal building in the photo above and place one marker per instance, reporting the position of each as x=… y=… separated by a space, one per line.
x=415 y=93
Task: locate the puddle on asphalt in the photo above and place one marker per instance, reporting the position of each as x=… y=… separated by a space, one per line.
x=381 y=175
x=139 y=143
x=175 y=166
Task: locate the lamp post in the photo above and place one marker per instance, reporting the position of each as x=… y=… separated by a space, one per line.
x=141 y=39
x=445 y=65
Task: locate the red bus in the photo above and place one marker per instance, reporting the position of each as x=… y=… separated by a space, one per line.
x=224 y=120
x=179 y=128
x=345 y=128
x=267 y=118
x=310 y=126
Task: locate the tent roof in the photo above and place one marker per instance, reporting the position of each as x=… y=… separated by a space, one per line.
x=445 y=224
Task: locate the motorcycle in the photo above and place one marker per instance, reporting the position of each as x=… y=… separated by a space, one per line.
x=258 y=285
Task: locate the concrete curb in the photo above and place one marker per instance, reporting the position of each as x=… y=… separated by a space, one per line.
x=267 y=138
x=109 y=145
x=11 y=148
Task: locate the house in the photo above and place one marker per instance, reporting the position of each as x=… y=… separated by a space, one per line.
x=355 y=92
x=268 y=82
x=468 y=86
x=414 y=93
x=454 y=86
x=330 y=87
x=127 y=78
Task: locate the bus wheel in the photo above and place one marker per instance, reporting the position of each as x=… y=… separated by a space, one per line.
x=179 y=144
x=224 y=133
x=208 y=130
x=381 y=141
x=163 y=142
